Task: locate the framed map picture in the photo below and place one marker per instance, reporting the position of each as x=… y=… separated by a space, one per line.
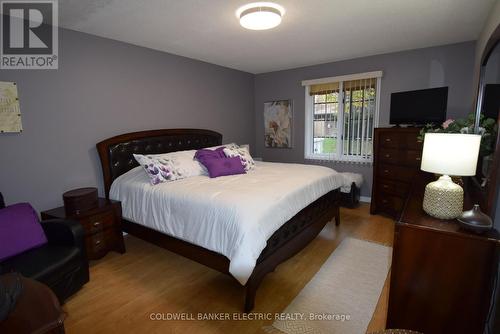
x=278 y=124
x=10 y=114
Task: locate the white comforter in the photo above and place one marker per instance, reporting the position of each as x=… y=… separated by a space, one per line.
x=231 y=215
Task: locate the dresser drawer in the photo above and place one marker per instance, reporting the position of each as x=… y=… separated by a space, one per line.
x=390 y=140
x=400 y=157
x=399 y=140
x=392 y=187
x=399 y=173
x=392 y=205
x=99 y=243
x=98 y=222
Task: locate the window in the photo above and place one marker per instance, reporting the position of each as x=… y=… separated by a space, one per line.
x=341 y=113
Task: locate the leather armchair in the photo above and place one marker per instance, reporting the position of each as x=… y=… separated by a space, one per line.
x=61 y=263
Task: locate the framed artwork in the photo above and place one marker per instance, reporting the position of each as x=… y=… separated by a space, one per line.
x=10 y=114
x=278 y=116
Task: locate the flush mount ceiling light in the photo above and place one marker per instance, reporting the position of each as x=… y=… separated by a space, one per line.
x=260 y=15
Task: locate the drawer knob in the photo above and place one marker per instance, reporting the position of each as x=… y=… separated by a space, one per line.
x=385 y=186
x=384 y=201
x=387 y=155
x=386 y=171
x=98 y=242
x=418 y=158
x=387 y=139
x=96 y=224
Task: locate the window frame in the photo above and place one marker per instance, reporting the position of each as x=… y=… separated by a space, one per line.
x=309 y=117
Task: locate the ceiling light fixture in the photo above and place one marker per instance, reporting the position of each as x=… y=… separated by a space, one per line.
x=260 y=15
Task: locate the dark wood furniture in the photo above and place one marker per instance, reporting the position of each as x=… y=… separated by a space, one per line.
x=442 y=276
x=81 y=199
x=293 y=236
x=396 y=160
x=350 y=199
x=37 y=310
x=102 y=225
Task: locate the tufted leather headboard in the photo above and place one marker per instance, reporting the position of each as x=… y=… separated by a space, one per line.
x=116 y=152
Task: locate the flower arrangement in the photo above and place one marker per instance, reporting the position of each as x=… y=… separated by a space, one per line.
x=487 y=129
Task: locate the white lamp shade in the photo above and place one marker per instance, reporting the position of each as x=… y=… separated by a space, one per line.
x=450 y=153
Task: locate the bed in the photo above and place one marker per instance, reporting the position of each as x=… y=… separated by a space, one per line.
x=247 y=246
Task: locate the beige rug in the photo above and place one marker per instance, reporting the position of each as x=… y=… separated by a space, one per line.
x=342 y=296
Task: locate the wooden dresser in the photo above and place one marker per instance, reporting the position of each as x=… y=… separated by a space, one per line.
x=102 y=227
x=441 y=276
x=396 y=160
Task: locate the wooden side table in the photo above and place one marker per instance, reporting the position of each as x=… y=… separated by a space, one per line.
x=442 y=276
x=37 y=310
x=102 y=227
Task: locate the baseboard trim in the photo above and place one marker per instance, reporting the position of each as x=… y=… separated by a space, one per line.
x=365 y=199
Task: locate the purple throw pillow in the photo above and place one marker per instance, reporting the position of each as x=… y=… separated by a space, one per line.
x=205 y=154
x=223 y=166
x=20 y=230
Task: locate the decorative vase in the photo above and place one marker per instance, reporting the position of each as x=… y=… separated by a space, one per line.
x=475 y=220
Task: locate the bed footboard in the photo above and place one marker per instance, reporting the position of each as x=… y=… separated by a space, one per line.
x=288 y=240
x=291 y=238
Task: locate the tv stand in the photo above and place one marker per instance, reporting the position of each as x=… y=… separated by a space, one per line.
x=401 y=126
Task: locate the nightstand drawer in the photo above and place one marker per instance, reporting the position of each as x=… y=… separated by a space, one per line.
x=98 y=222
x=98 y=244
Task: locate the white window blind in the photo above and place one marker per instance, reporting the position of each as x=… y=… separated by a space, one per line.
x=341 y=113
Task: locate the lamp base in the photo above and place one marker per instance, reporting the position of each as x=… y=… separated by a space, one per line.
x=443 y=198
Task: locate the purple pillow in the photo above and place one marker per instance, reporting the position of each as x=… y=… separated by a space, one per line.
x=223 y=166
x=20 y=230
x=205 y=154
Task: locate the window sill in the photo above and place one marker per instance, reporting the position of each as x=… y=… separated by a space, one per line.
x=317 y=157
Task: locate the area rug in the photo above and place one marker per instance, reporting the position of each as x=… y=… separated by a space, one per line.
x=342 y=296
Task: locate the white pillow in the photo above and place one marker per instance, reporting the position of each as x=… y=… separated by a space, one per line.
x=223 y=145
x=170 y=166
x=234 y=150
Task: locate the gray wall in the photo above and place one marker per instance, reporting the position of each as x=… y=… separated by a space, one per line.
x=450 y=65
x=103 y=88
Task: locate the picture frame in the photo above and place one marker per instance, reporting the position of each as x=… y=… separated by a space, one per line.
x=10 y=113
x=278 y=123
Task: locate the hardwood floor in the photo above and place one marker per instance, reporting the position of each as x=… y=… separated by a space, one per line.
x=125 y=289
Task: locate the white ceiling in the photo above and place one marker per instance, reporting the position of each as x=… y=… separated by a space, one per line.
x=312 y=31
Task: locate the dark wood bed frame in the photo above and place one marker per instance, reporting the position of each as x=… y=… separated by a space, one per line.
x=116 y=159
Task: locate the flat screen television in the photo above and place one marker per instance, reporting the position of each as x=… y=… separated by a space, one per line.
x=419 y=107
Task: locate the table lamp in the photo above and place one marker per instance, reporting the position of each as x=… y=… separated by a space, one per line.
x=448 y=154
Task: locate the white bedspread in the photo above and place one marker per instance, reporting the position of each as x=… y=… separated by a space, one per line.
x=231 y=215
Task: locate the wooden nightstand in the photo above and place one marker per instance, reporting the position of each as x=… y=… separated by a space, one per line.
x=102 y=227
